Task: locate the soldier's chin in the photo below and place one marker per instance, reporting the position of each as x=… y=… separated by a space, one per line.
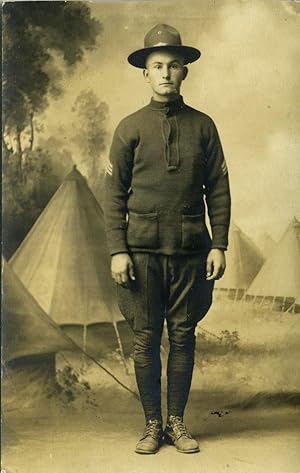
x=169 y=90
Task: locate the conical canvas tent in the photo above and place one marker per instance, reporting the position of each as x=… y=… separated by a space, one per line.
x=27 y=330
x=64 y=263
x=30 y=340
x=280 y=275
x=243 y=261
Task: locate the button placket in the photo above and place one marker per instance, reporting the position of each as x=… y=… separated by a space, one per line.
x=171 y=143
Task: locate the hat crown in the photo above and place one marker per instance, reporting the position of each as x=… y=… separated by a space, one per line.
x=162 y=34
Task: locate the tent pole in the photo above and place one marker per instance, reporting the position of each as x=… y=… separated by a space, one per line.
x=84 y=337
x=273 y=302
x=292 y=308
x=262 y=302
x=243 y=298
x=120 y=347
x=84 y=340
x=283 y=304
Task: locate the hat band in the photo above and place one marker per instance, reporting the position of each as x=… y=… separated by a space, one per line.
x=162 y=44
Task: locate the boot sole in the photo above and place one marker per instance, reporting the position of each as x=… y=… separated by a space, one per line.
x=187 y=451
x=144 y=452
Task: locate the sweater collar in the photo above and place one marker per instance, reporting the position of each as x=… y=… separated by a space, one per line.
x=167 y=107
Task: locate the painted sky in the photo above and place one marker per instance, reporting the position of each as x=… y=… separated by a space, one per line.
x=247 y=80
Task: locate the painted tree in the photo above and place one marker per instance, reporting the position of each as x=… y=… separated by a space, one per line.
x=33 y=34
x=41 y=41
x=90 y=133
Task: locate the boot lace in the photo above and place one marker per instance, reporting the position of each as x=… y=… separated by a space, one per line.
x=152 y=429
x=178 y=427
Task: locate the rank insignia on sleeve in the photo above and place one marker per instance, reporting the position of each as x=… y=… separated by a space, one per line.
x=224 y=168
x=109 y=168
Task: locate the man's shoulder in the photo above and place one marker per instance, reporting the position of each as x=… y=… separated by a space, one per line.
x=128 y=127
x=198 y=114
x=134 y=117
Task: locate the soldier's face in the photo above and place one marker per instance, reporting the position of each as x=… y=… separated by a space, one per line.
x=165 y=70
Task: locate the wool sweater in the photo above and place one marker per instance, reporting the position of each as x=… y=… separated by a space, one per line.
x=166 y=159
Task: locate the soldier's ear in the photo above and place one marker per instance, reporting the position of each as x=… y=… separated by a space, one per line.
x=145 y=74
x=185 y=72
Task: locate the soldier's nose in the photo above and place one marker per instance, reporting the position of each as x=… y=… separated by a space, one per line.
x=166 y=73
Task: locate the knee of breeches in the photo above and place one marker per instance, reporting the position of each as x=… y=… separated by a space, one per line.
x=146 y=343
x=182 y=340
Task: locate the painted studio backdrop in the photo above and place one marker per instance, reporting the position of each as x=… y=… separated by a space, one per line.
x=69 y=395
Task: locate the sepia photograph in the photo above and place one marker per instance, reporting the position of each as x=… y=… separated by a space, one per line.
x=150 y=236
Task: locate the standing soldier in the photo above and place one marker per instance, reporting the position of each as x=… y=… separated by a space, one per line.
x=165 y=160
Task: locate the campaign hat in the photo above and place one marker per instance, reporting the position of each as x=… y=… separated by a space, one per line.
x=163 y=36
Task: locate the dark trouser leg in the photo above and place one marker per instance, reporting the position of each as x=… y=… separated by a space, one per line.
x=147 y=366
x=179 y=372
x=143 y=306
x=190 y=297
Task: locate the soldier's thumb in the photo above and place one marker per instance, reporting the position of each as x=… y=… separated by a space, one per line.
x=209 y=267
x=131 y=272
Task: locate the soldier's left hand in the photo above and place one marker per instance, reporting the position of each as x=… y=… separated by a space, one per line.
x=215 y=264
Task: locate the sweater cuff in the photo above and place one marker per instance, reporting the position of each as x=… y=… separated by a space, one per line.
x=219 y=236
x=118 y=252
x=116 y=242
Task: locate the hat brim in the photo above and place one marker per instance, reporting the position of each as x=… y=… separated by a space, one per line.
x=138 y=58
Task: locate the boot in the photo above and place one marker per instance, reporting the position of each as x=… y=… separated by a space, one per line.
x=176 y=434
x=151 y=439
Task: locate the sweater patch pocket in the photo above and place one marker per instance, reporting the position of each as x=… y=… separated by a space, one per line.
x=195 y=235
x=142 y=230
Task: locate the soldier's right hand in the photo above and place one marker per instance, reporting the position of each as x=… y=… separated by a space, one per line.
x=122 y=269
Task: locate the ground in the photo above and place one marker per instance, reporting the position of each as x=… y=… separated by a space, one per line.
x=243 y=408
